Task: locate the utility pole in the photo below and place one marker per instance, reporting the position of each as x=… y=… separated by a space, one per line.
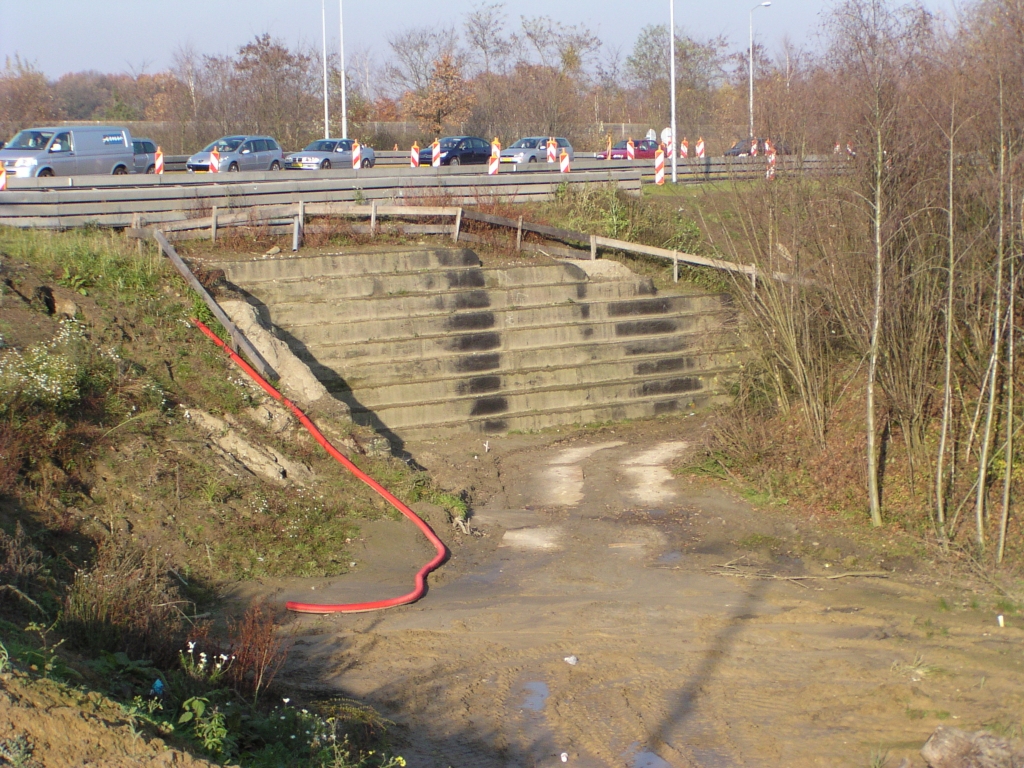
x=344 y=105
x=672 y=76
x=327 y=112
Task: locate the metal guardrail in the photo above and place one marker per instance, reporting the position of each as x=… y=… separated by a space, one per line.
x=177 y=197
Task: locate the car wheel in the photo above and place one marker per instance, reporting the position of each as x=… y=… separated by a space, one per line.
x=325 y=165
x=120 y=171
x=367 y=163
x=233 y=168
x=46 y=172
x=454 y=161
x=151 y=169
x=275 y=166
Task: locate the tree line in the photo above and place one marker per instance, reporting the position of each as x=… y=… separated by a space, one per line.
x=545 y=77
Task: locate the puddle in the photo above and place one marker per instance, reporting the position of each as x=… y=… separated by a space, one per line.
x=649 y=760
x=670 y=557
x=536 y=696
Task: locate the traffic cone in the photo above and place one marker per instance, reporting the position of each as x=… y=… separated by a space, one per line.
x=700 y=147
x=3 y=176
x=496 y=147
x=684 y=149
x=414 y=156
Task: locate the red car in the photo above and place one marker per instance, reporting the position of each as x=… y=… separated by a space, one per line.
x=645 y=149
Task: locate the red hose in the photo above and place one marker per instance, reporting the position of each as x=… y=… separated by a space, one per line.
x=421 y=576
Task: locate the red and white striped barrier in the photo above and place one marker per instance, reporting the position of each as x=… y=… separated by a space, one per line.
x=552 y=150
x=435 y=154
x=414 y=156
x=214 y=166
x=659 y=167
x=670 y=150
x=158 y=162
x=496 y=147
x=753 y=147
x=564 y=162
x=630 y=150
x=493 y=163
x=700 y=147
x=3 y=176
x=684 y=148
x=769 y=150
x=357 y=156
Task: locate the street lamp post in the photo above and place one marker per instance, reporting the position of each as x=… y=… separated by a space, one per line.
x=672 y=76
x=765 y=4
x=344 y=105
x=327 y=112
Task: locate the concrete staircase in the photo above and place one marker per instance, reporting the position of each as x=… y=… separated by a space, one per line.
x=428 y=342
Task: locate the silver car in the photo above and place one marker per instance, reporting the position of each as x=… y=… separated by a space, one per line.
x=329 y=153
x=240 y=153
x=145 y=155
x=534 y=149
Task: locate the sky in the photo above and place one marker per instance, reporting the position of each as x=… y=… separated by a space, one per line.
x=131 y=36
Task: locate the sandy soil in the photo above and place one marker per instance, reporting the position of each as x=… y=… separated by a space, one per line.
x=588 y=546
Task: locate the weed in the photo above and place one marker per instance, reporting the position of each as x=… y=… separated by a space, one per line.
x=208 y=725
x=916 y=670
x=125 y=602
x=944 y=605
x=761 y=541
x=5 y=659
x=879 y=758
x=1006 y=605
x=258 y=653
x=17 y=751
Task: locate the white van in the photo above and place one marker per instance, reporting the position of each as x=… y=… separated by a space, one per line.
x=71 y=151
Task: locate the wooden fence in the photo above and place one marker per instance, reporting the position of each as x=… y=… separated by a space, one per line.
x=390 y=219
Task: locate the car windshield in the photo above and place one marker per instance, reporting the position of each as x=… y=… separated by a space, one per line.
x=321 y=146
x=527 y=144
x=228 y=144
x=620 y=145
x=30 y=140
x=449 y=143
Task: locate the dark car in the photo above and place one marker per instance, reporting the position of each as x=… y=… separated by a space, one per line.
x=742 y=148
x=459 y=150
x=644 y=149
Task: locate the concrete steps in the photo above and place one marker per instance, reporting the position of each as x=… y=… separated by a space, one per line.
x=428 y=341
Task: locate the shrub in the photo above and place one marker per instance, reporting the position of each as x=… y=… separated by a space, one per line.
x=126 y=602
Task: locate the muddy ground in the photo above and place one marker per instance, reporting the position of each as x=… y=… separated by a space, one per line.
x=699 y=631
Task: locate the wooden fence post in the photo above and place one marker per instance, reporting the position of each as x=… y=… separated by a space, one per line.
x=519 y=235
x=593 y=247
x=213 y=225
x=458 y=225
x=373 y=218
x=675 y=267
